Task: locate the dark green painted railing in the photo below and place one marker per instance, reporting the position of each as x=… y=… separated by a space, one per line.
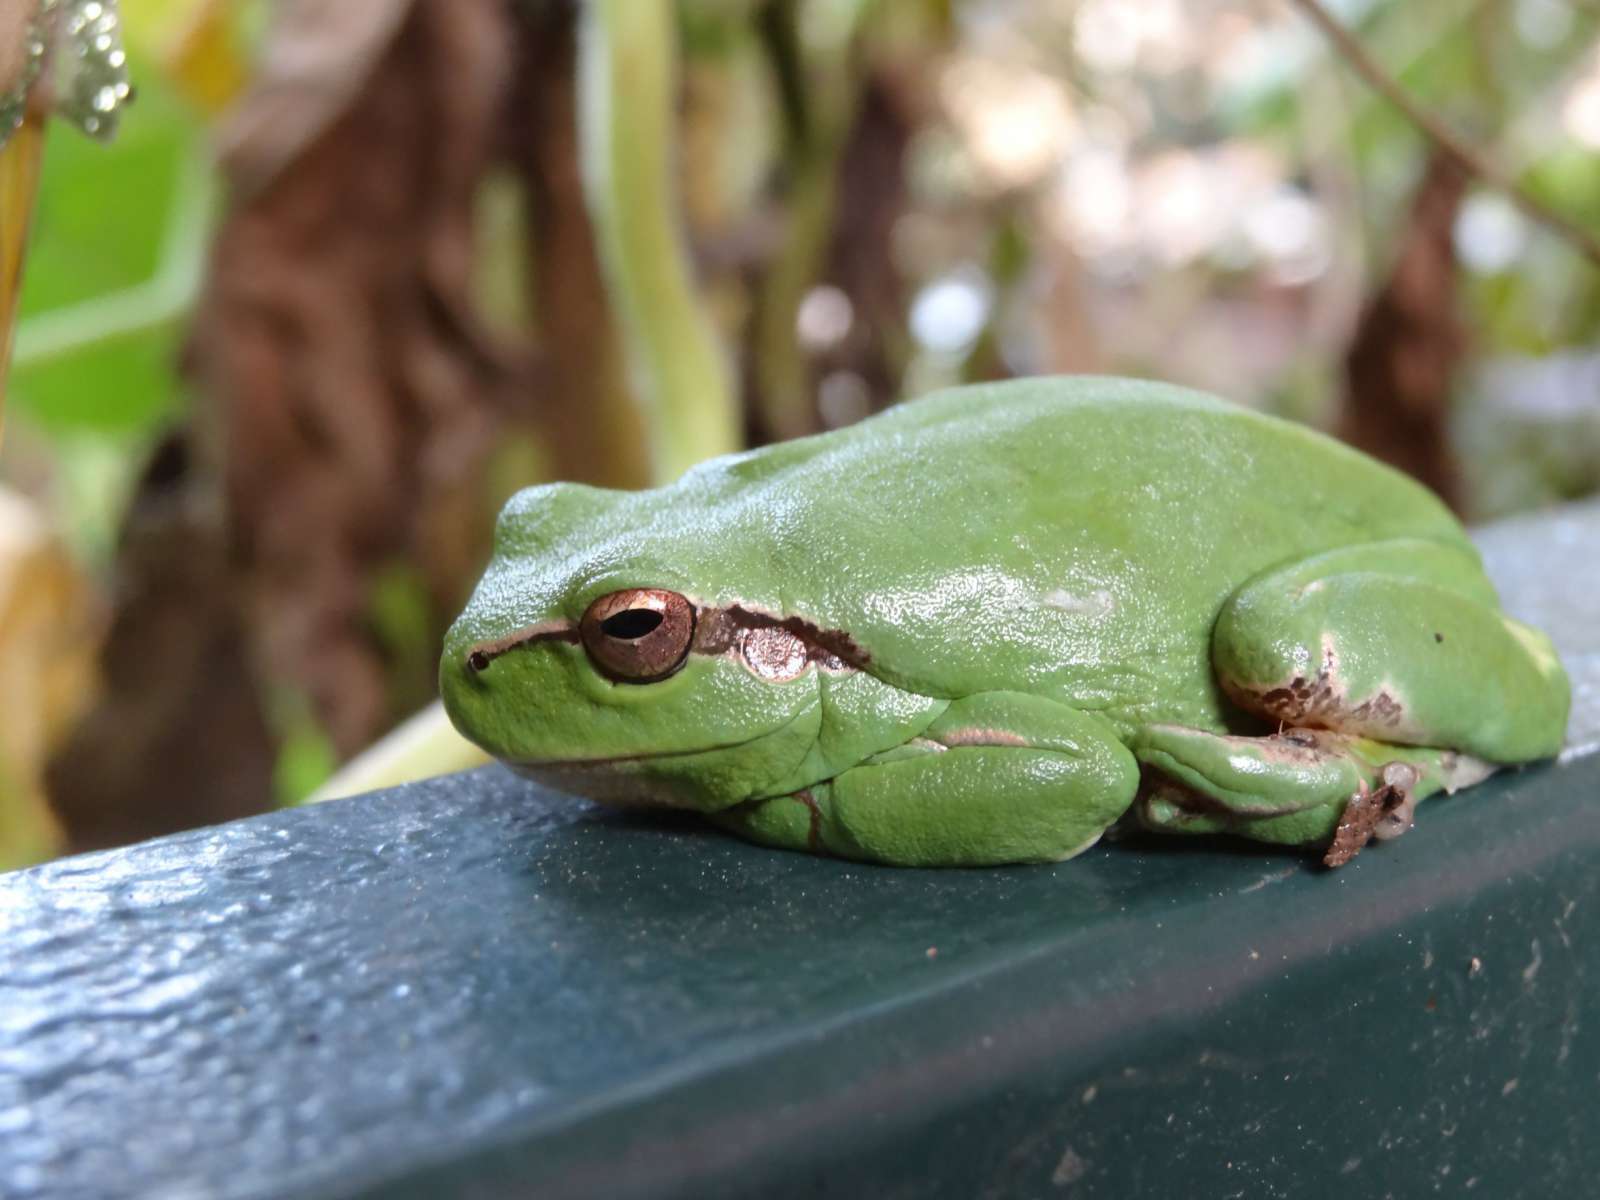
x=475 y=988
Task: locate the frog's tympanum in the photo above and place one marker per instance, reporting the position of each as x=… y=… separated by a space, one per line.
x=985 y=625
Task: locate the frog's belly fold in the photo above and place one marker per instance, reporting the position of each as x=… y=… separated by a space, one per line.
x=607 y=783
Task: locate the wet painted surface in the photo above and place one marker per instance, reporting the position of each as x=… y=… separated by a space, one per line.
x=1547 y=567
x=475 y=987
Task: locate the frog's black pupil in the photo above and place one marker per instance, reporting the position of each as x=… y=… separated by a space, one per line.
x=631 y=624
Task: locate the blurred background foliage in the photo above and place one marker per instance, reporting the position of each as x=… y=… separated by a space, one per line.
x=351 y=274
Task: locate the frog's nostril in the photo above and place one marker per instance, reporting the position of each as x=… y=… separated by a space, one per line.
x=477 y=661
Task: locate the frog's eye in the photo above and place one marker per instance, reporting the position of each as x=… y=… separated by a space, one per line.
x=639 y=635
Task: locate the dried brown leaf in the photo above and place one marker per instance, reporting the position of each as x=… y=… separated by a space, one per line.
x=356 y=394
x=47 y=641
x=314 y=67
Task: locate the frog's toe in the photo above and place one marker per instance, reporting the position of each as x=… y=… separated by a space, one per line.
x=1384 y=812
x=1401 y=779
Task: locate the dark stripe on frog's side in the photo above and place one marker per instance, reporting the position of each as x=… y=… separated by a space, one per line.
x=716 y=631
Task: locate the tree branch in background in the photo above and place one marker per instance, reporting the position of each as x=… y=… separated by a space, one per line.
x=594 y=427
x=1445 y=138
x=1401 y=365
x=817 y=120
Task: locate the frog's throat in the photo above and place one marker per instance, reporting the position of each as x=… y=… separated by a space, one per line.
x=771 y=645
x=534 y=765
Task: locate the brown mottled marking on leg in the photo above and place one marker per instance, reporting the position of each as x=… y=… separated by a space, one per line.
x=1321 y=701
x=1382 y=708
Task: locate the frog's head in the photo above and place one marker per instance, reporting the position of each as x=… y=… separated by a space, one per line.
x=593 y=655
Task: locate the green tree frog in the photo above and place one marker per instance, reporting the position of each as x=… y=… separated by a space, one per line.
x=986 y=625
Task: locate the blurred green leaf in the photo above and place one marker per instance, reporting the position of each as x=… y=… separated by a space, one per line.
x=306 y=758
x=117 y=239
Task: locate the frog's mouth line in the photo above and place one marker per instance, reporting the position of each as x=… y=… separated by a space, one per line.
x=595 y=764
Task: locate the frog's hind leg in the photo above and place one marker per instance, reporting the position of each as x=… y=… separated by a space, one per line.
x=1399 y=641
x=1396 y=676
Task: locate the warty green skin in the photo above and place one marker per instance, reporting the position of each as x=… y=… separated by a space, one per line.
x=1054 y=588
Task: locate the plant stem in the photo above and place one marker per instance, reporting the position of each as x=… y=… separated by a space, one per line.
x=627 y=98
x=19 y=184
x=1445 y=138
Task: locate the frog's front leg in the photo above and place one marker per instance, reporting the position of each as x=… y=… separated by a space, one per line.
x=1000 y=777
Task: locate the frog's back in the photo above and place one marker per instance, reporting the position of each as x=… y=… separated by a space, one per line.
x=1069 y=535
x=1049 y=473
